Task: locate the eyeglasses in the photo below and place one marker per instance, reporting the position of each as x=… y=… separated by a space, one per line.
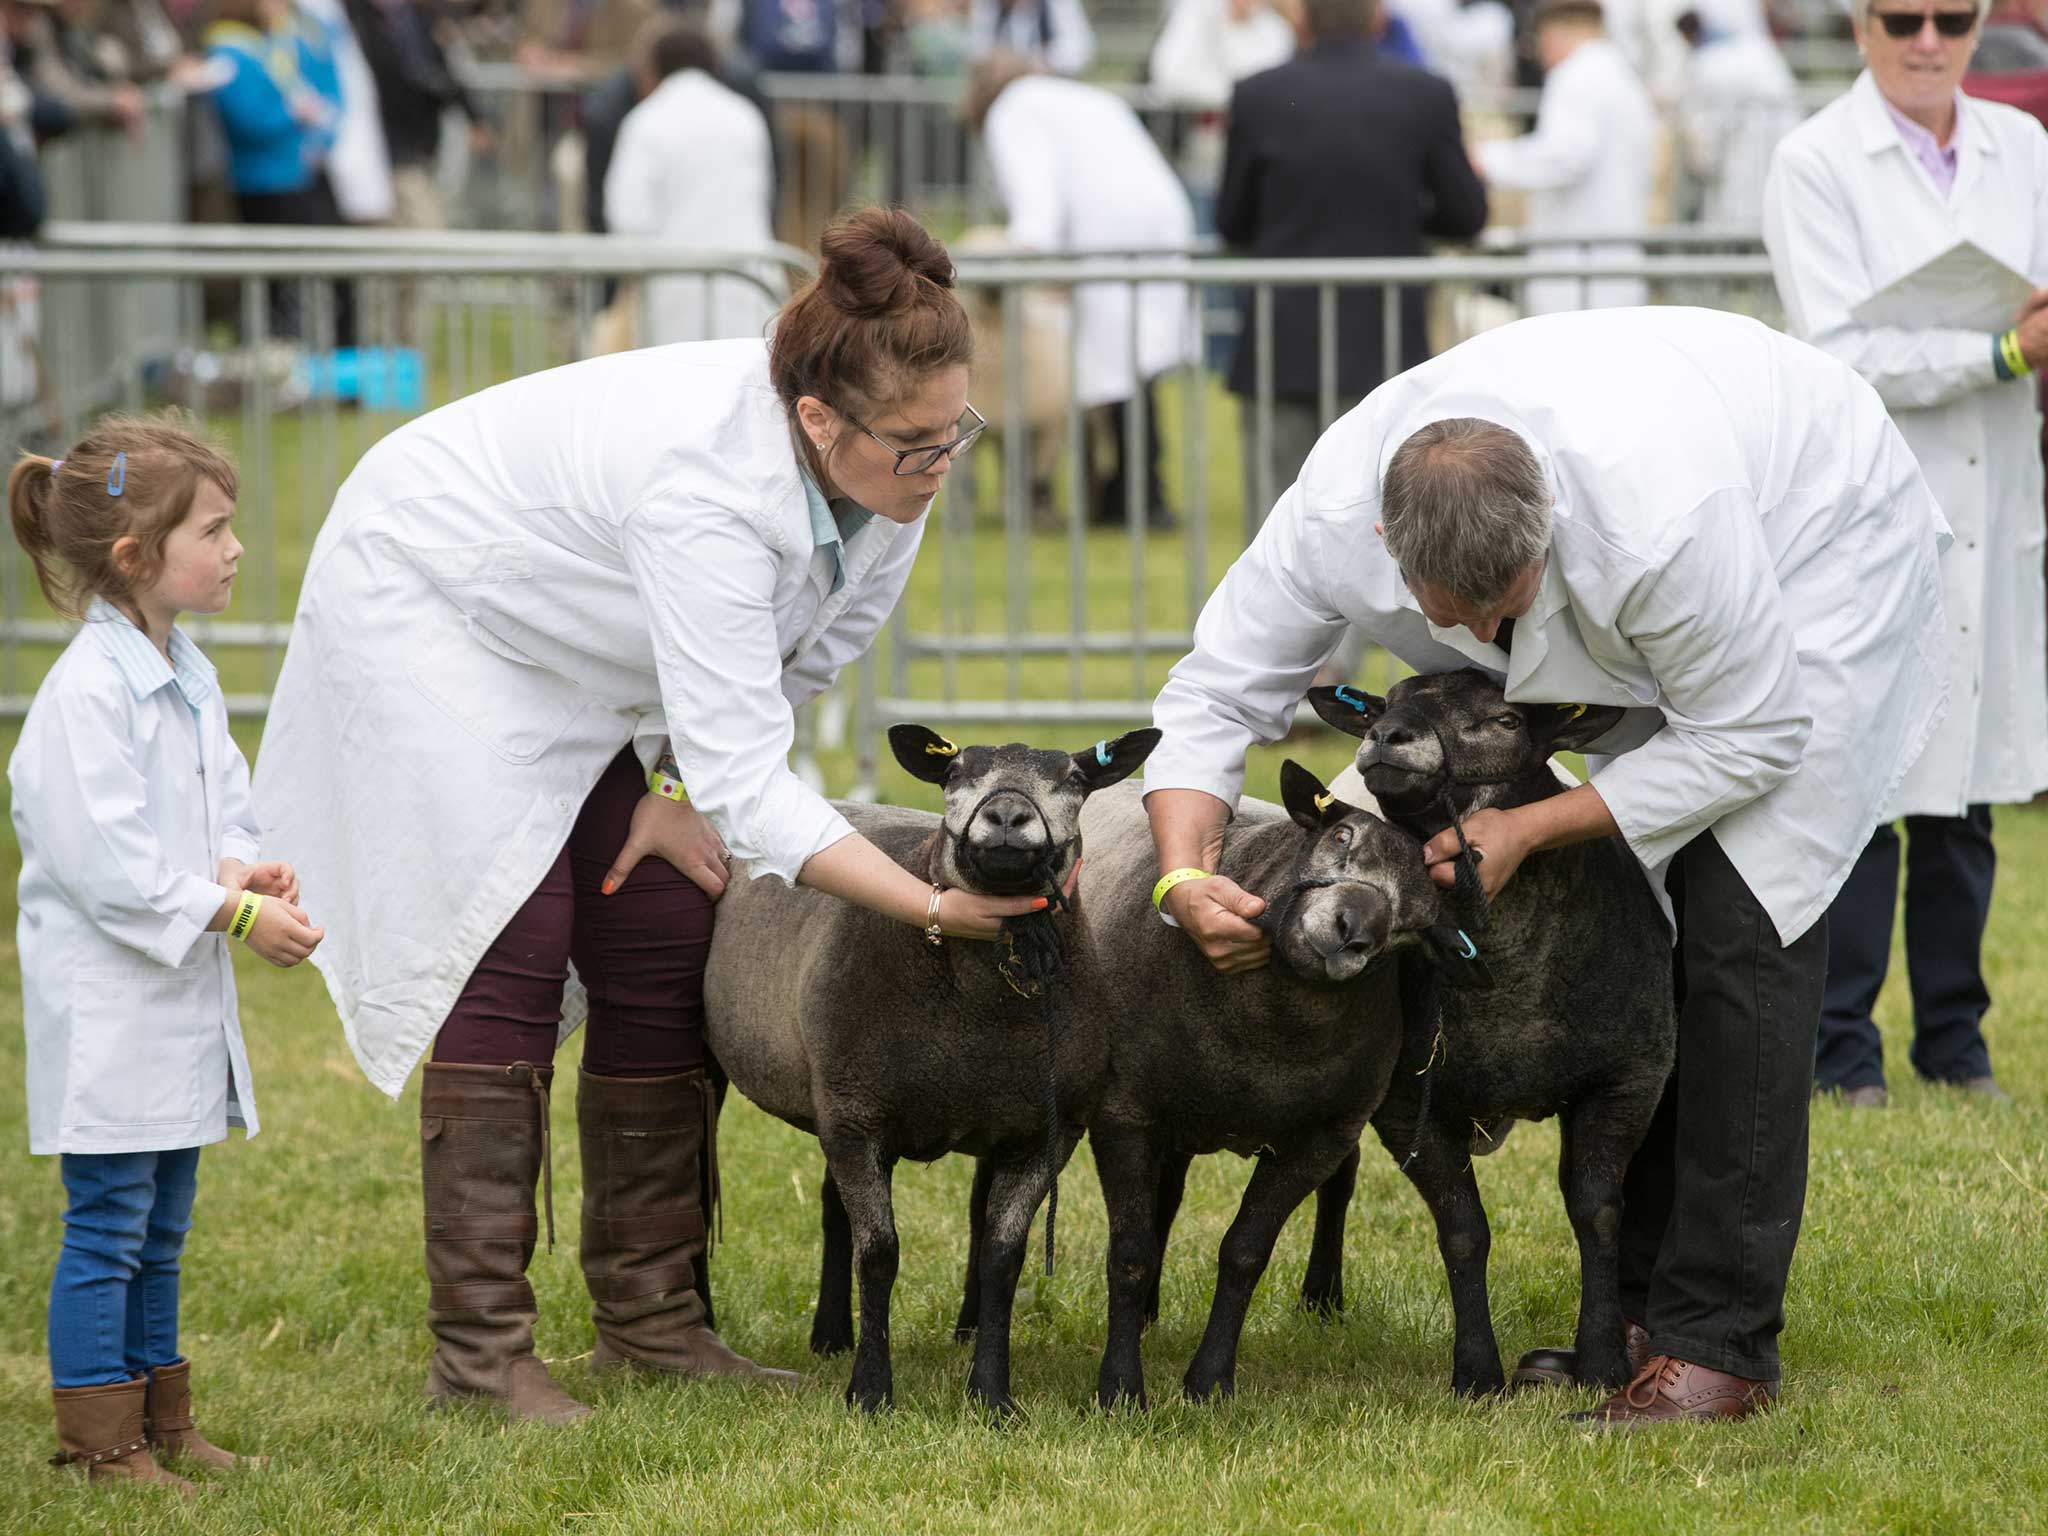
x=1905 y=24
x=917 y=461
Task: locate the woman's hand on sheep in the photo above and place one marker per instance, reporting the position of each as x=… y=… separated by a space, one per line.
x=1216 y=913
x=1497 y=836
x=970 y=915
x=676 y=831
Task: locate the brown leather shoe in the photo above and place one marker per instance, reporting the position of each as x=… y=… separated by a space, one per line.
x=650 y=1167
x=1559 y=1366
x=1668 y=1389
x=1869 y=1096
x=1985 y=1087
x=100 y=1429
x=167 y=1421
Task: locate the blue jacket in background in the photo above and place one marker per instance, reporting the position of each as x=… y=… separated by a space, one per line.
x=269 y=150
x=320 y=69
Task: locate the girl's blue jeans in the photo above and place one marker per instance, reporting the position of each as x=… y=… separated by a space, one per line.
x=114 y=1299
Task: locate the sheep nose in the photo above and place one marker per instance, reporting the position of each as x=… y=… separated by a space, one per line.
x=1392 y=731
x=1012 y=821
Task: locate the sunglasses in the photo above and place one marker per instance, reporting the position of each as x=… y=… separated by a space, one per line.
x=917 y=461
x=1905 y=24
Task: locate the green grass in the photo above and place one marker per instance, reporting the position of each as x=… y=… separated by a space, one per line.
x=1916 y=1318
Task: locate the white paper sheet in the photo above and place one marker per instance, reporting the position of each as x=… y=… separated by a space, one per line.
x=1964 y=288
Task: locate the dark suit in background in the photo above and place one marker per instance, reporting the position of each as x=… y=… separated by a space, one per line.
x=1338 y=152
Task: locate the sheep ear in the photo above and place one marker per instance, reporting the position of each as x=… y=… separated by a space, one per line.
x=1351 y=710
x=923 y=752
x=1308 y=800
x=1113 y=761
x=1573 y=727
x=1457 y=958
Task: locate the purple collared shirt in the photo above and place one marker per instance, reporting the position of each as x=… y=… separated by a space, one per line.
x=1939 y=163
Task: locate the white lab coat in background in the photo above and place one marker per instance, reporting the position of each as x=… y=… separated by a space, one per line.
x=1587 y=167
x=1848 y=210
x=1743 y=555
x=1077 y=171
x=694 y=166
x=128 y=793
x=507 y=592
x=1739 y=100
x=359 y=164
x=1056 y=33
x=1202 y=52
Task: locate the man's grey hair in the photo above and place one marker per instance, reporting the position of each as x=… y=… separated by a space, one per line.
x=1466 y=508
x=1860 y=10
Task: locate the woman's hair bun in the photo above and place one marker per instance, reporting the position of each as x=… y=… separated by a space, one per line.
x=871 y=263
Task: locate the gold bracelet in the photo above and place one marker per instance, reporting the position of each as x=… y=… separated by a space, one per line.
x=932 y=936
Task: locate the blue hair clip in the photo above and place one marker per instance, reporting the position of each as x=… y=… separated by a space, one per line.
x=1102 y=753
x=1471 y=949
x=1344 y=695
x=117 y=477
x=55 y=465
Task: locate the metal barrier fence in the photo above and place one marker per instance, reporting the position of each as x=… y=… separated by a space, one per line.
x=1023 y=608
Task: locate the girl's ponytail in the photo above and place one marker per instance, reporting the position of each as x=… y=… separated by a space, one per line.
x=30 y=485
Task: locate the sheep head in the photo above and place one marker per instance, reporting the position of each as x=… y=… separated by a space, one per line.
x=1013 y=812
x=1456 y=731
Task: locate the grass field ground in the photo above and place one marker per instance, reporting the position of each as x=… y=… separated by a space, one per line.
x=1917 y=1322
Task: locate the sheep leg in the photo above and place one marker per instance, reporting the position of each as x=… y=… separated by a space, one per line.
x=1015 y=1191
x=1173 y=1182
x=1128 y=1165
x=1439 y=1164
x=1280 y=1182
x=1322 y=1283
x=863 y=1180
x=832 y=1324
x=1600 y=1136
x=977 y=1224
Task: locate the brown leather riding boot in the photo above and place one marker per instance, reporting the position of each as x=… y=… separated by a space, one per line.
x=100 y=1429
x=1668 y=1390
x=1558 y=1365
x=167 y=1421
x=483 y=1142
x=649 y=1161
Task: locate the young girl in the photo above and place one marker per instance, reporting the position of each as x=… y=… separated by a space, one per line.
x=131 y=804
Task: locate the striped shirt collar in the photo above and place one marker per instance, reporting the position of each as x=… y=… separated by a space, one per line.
x=141 y=664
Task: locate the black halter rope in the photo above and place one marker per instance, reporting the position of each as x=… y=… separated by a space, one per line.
x=1034 y=953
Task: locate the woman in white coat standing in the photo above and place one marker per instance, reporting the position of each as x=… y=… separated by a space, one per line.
x=1883 y=180
x=1587 y=164
x=539 y=689
x=1739 y=100
x=1076 y=171
x=694 y=165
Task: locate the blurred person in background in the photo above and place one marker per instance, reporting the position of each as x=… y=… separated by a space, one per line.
x=54 y=52
x=1739 y=100
x=1053 y=33
x=415 y=87
x=358 y=168
x=1588 y=165
x=2015 y=38
x=693 y=168
x=1339 y=152
x=1076 y=172
x=1881 y=181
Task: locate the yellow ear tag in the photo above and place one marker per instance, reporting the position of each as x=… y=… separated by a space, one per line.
x=944 y=748
x=1572 y=711
x=1324 y=802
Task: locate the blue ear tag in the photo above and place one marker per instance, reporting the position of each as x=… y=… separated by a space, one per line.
x=1471 y=949
x=117 y=477
x=1344 y=695
x=1102 y=753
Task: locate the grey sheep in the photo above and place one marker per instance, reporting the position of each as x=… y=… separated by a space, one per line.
x=1580 y=1024
x=1282 y=1064
x=851 y=1026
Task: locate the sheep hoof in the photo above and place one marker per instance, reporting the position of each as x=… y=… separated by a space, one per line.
x=999 y=1406
x=870 y=1399
x=1325 y=1301
x=827 y=1341
x=1478 y=1384
x=1197 y=1390
x=964 y=1331
x=1114 y=1397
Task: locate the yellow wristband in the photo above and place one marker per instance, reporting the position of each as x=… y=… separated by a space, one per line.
x=245 y=915
x=2015 y=360
x=659 y=783
x=1172 y=878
